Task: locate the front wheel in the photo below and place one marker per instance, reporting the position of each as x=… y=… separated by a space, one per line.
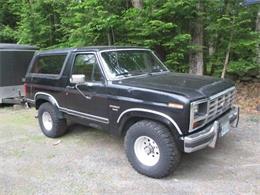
x=51 y=125
x=151 y=149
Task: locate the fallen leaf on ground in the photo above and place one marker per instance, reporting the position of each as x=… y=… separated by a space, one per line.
x=248 y=96
x=56 y=143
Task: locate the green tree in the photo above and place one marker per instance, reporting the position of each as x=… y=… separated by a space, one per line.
x=8 y=22
x=212 y=37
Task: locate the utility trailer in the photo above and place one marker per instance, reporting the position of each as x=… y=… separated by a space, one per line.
x=14 y=61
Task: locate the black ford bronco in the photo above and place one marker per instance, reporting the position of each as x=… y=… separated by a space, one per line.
x=129 y=92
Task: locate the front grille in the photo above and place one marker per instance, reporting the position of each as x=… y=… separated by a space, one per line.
x=220 y=103
x=216 y=105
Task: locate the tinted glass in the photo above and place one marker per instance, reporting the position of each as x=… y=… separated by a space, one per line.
x=87 y=64
x=48 y=64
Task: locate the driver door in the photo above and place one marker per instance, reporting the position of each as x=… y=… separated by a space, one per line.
x=87 y=100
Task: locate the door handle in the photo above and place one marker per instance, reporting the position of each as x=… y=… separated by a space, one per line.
x=88 y=97
x=70 y=87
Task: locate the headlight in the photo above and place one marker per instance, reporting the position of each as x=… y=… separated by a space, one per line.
x=198 y=114
x=196 y=109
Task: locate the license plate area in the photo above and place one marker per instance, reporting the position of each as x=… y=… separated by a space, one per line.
x=224 y=125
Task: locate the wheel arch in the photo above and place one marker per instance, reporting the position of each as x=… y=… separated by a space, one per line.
x=131 y=116
x=39 y=102
x=41 y=98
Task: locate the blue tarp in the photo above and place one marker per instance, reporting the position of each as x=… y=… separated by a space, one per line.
x=250 y=2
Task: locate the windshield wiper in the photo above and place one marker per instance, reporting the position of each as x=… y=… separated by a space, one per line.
x=157 y=70
x=123 y=74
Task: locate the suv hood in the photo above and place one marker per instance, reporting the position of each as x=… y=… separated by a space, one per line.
x=191 y=86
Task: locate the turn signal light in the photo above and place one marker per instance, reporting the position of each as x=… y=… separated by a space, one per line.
x=176 y=106
x=197 y=124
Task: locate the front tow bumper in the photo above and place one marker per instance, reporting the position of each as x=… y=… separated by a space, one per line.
x=209 y=135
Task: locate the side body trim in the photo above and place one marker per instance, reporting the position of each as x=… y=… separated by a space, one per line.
x=84 y=115
x=150 y=111
x=73 y=112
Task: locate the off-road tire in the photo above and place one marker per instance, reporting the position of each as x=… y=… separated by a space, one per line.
x=59 y=126
x=169 y=153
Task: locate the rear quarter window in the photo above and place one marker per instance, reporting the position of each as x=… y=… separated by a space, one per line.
x=51 y=64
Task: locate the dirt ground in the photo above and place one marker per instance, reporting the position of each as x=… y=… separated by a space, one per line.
x=91 y=161
x=248 y=97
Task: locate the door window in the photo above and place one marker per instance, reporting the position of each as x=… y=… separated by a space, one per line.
x=87 y=64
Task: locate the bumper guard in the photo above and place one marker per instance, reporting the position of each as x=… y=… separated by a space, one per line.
x=209 y=135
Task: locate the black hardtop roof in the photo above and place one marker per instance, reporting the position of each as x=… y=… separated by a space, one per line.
x=13 y=46
x=89 y=48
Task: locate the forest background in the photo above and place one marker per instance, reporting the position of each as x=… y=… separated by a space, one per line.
x=212 y=37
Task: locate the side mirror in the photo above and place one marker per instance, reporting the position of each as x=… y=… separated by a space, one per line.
x=77 y=78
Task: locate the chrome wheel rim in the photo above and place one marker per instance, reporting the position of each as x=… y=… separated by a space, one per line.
x=146 y=150
x=47 y=121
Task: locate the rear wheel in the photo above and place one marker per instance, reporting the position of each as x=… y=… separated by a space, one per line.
x=151 y=149
x=51 y=125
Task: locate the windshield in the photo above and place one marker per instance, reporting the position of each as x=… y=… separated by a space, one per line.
x=125 y=63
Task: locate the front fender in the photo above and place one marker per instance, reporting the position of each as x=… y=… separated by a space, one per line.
x=141 y=113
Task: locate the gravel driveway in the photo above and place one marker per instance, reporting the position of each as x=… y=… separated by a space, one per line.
x=87 y=160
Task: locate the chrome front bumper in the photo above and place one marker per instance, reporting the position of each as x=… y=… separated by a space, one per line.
x=209 y=135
